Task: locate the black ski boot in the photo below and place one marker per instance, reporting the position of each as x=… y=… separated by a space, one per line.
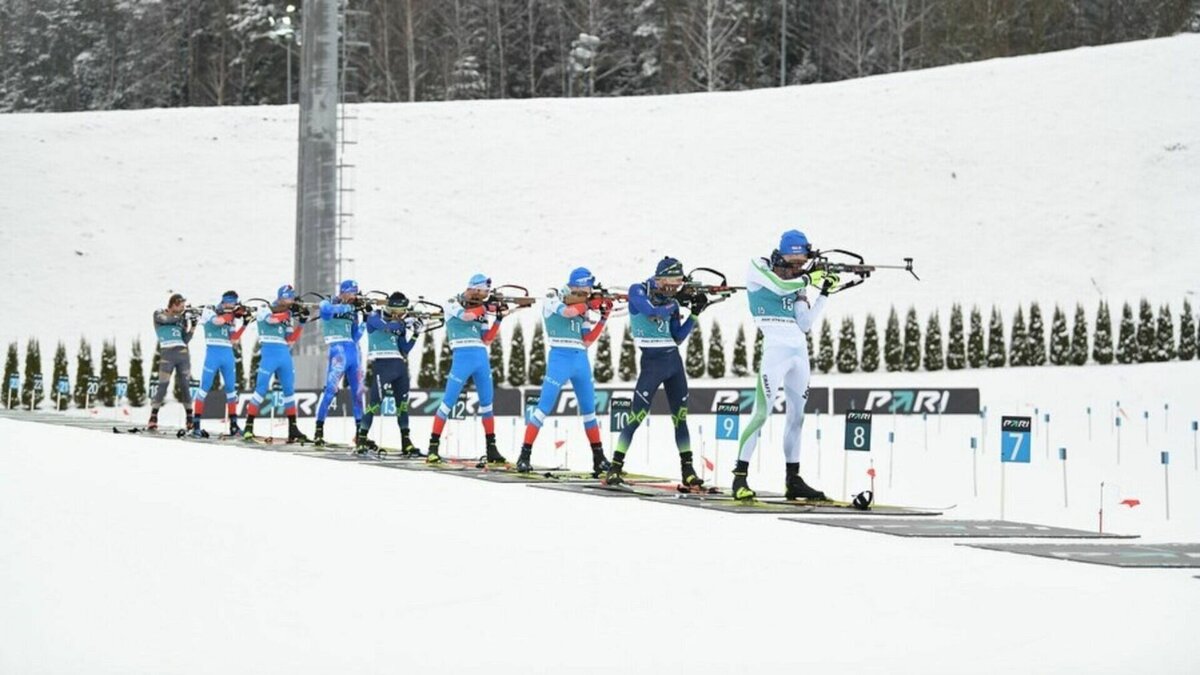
x=234 y=429
x=407 y=449
x=363 y=445
x=433 y=457
x=741 y=488
x=152 y=423
x=798 y=490
x=524 y=463
x=318 y=439
x=493 y=455
x=600 y=463
x=615 y=470
x=687 y=472
x=294 y=433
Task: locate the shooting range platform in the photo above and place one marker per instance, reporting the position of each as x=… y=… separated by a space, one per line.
x=1112 y=555
x=942 y=529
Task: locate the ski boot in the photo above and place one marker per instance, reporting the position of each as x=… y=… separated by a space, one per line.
x=493 y=455
x=798 y=490
x=318 y=439
x=687 y=473
x=524 y=465
x=197 y=432
x=407 y=449
x=433 y=457
x=234 y=429
x=741 y=489
x=152 y=423
x=600 y=463
x=363 y=445
x=248 y=430
x=294 y=433
x=615 y=470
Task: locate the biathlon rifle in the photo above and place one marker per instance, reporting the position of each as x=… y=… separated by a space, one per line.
x=705 y=286
x=506 y=298
x=856 y=266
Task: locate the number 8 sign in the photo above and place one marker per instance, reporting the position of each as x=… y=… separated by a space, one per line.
x=1014 y=441
x=858 y=430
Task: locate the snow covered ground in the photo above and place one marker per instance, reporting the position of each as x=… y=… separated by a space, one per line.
x=1061 y=177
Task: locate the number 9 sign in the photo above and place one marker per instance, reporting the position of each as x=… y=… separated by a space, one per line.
x=728 y=421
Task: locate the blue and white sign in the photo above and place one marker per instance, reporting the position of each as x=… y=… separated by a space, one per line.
x=387 y=406
x=458 y=411
x=122 y=386
x=37 y=383
x=14 y=382
x=277 y=397
x=63 y=386
x=1014 y=439
x=93 y=386
x=729 y=421
x=858 y=430
x=531 y=404
x=618 y=413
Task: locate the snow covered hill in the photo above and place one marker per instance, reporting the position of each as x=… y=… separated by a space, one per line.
x=1061 y=177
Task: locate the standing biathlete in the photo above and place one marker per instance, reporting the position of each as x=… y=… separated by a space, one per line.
x=390 y=337
x=658 y=330
x=220 y=334
x=342 y=330
x=279 y=327
x=779 y=303
x=174 y=327
x=469 y=334
x=569 y=336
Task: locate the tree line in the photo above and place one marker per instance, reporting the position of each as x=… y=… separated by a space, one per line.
x=66 y=55
x=1153 y=336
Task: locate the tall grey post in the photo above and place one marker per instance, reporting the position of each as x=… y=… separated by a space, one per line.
x=316 y=185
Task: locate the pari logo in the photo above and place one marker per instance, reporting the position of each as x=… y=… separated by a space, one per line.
x=568 y=403
x=908 y=400
x=743 y=398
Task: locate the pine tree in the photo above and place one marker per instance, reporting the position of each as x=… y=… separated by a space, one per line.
x=1035 y=344
x=870 y=352
x=427 y=376
x=537 y=356
x=1127 y=344
x=1164 y=335
x=1079 y=338
x=935 y=359
x=627 y=364
x=255 y=360
x=825 y=353
x=108 y=374
x=808 y=343
x=1102 y=339
x=741 y=366
x=716 y=352
x=83 y=372
x=62 y=402
x=1146 y=341
x=1060 y=341
x=445 y=360
x=758 y=347
x=976 y=357
x=693 y=363
x=912 y=341
x=136 y=392
x=1187 y=334
x=239 y=370
x=602 y=371
x=847 y=350
x=956 y=350
x=893 y=349
x=496 y=359
x=997 y=356
x=31 y=397
x=1019 y=341
x=12 y=365
x=517 y=374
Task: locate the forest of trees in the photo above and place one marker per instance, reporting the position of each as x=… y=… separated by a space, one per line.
x=65 y=55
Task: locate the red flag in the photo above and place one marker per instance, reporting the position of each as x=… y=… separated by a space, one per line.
x=708 y=464
x=558 y=444
x=871 y=472
x=1130 y=502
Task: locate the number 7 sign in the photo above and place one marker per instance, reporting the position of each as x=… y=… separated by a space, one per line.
x=1014 y=439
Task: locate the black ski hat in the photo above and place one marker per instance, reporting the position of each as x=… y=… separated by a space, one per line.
x=397 y=300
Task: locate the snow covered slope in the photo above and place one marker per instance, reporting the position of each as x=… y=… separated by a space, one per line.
x=122 y=554
x=1060 y=177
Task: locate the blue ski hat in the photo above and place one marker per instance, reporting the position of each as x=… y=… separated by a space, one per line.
x=348 y=286
x=285 y=292
x=794 y=241
x=668 y=267
x=229 y=298
x=581 y=277
x=479 y=281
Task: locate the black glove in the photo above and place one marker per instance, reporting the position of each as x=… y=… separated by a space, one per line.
x=699 y=302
